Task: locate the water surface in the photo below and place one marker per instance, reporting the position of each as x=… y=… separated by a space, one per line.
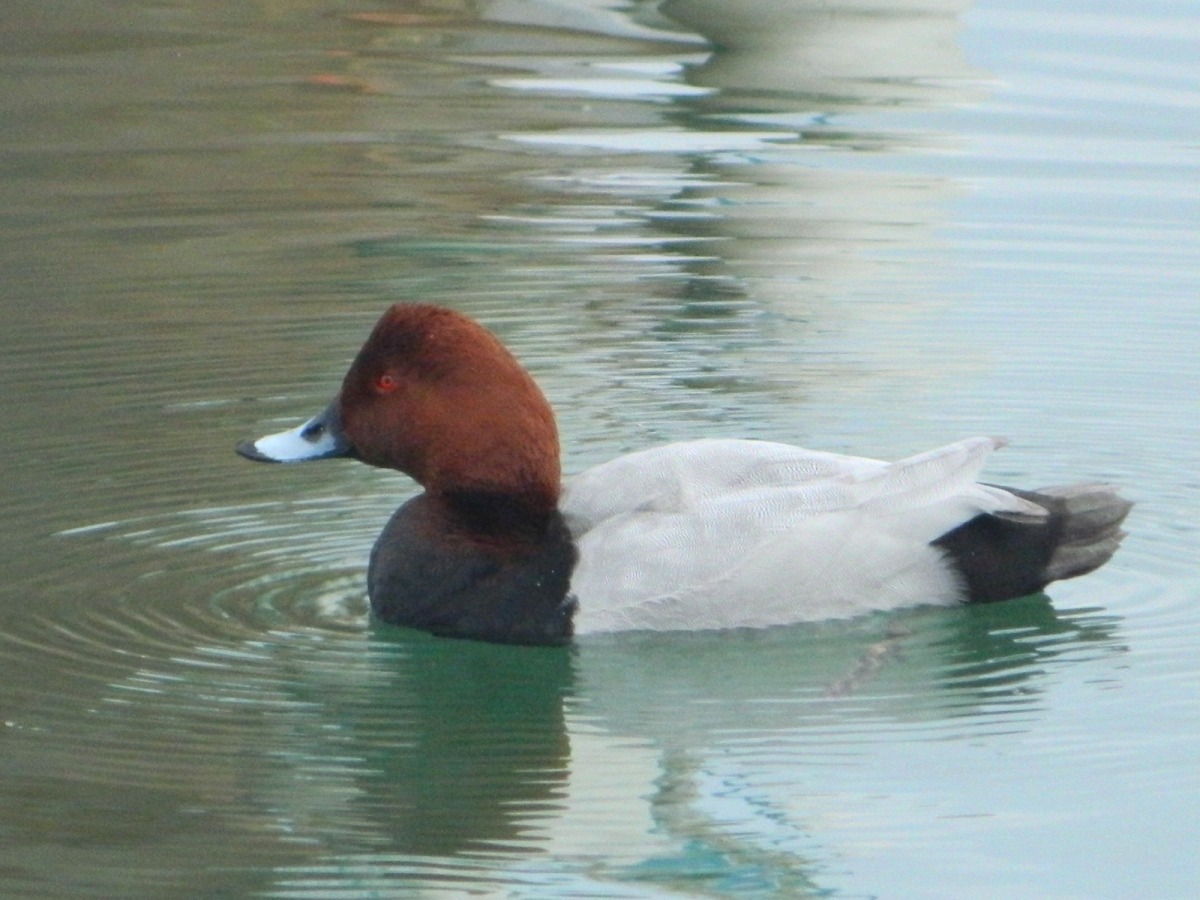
x=863 y=228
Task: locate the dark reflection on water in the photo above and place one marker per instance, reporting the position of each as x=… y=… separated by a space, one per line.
x=465 y=747
x=827 y=223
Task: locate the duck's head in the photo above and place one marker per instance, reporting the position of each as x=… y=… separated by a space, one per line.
x=437 y=396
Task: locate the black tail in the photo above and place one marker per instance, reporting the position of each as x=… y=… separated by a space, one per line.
x=1001 y=557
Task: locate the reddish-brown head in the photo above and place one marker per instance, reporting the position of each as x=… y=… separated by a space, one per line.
x=437 y=396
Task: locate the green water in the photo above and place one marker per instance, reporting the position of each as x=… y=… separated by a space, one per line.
x=867 y=229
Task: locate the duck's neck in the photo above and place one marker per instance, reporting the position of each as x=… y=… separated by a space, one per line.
x=500 y=515
x=493 y=469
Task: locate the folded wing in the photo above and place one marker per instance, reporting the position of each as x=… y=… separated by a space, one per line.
x=726 y=533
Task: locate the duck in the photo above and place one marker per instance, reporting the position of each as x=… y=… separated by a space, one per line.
x=712 y=533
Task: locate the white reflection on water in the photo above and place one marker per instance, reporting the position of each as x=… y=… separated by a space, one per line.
x=866 y=227
x=661 y=140
x=604 y=87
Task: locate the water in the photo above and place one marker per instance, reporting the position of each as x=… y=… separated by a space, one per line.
x=862 y=228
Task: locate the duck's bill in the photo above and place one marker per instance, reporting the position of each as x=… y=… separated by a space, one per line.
x=320 y=437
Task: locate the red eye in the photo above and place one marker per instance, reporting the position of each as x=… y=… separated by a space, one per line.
x=387 y=383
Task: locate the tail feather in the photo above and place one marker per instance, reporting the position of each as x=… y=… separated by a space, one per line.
x=1092 y=517
x=1001 y=556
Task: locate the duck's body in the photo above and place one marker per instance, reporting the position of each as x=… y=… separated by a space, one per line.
x=726 y=533
x=696 y=535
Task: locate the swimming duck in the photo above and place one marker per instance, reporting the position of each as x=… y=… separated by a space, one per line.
x=703 y=534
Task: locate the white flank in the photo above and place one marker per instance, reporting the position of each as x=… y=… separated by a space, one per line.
x=728 y=533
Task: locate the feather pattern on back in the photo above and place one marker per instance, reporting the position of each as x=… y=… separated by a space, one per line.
x=728 y=533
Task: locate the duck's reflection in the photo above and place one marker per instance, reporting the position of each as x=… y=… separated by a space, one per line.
x=464 y=744
x=915 y=665
x=838 y=55
x=473 y=748
x=395 y=756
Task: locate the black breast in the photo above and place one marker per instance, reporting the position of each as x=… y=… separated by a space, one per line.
x=474 y=571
